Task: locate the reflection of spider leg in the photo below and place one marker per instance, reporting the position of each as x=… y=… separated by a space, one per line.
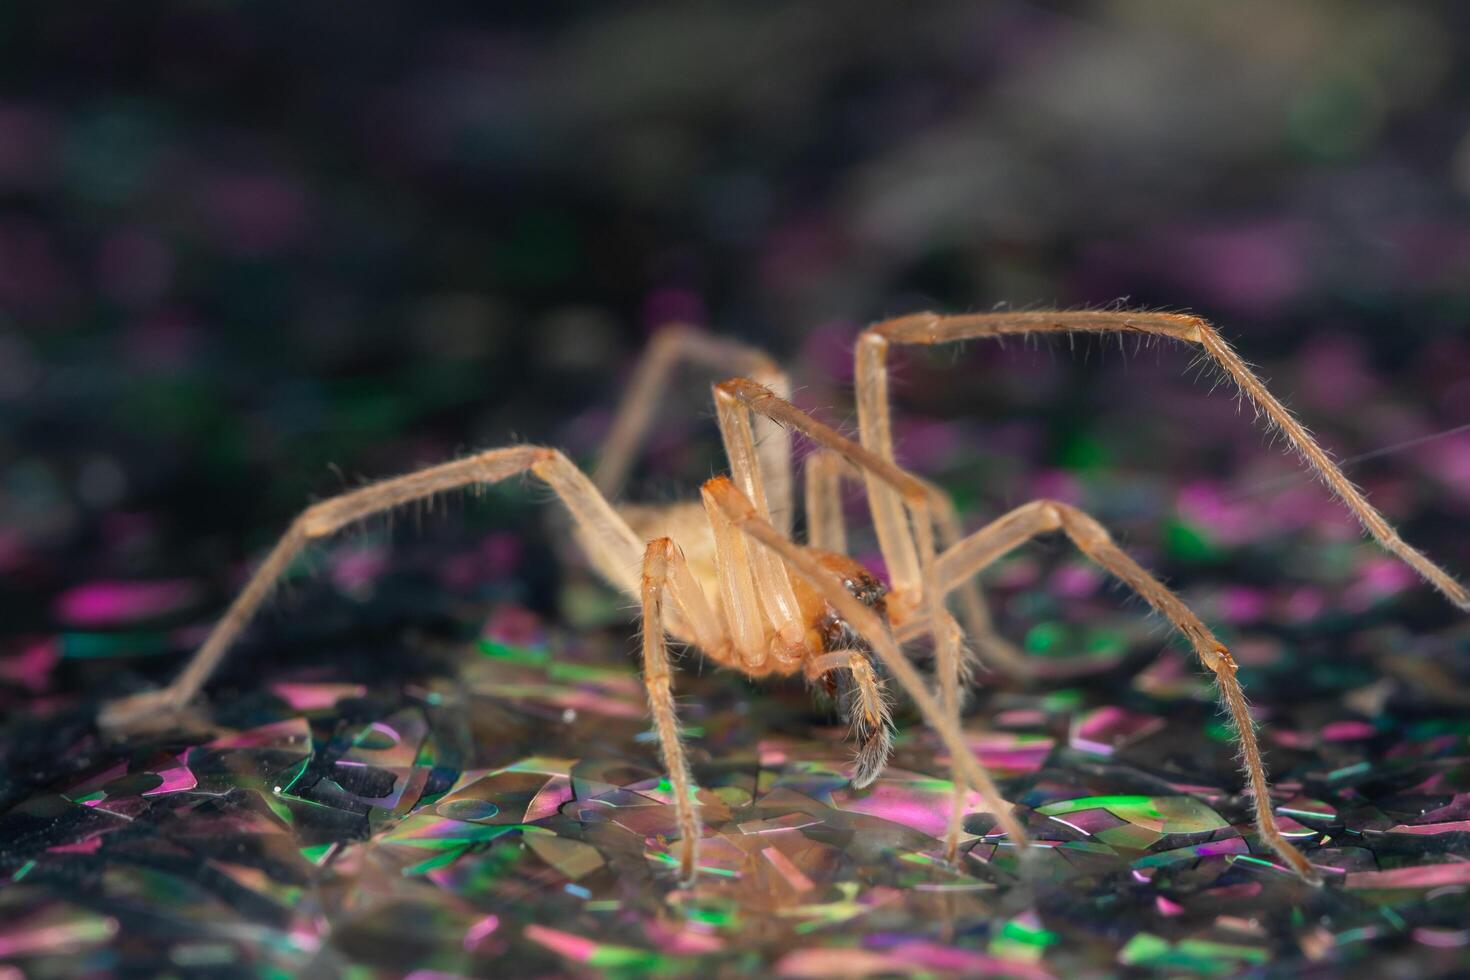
x=1009 y=532
x=858 y=691
x=738 y=397
x=610 y=545
x=873 y=631
x=871 y=373
x=675 y=344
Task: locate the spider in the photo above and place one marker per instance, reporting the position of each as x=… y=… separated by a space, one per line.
x=725 y=576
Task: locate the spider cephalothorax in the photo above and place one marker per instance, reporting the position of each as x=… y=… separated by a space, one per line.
x=725 y=575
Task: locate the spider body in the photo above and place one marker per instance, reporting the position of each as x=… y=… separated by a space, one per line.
x=823 y=629
x=724 y=575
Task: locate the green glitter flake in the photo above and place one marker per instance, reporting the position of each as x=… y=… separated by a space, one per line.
x=1021 y=932
x=99 y=646
x=1193 y=955
x=667 y=859
x=1349 y=772
x=510 y=654
x=1066 y=699
x=1161 y=814
x=1308 y=810
x=720 y=916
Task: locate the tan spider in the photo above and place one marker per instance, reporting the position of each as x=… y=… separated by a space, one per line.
x=725 y=576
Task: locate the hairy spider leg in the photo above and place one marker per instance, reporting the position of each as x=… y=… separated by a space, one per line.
x=860 y=698
x=822 y=475
x=868 y=625
x=1004 y=535
x=610 y=545
x=773 y=585
x=664 y=571
x=918 y=497
x=676 y=344
x=871 y=372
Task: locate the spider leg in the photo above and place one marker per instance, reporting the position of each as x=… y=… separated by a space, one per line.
x=868 y=625
x=675 y=344
x=664 y=570
x=737 y=398
x=861 y=703
x=825 y=471
x=927 y=329
x=1009 y=532
x=610 y=545
x=825 y=529
x=772 y=583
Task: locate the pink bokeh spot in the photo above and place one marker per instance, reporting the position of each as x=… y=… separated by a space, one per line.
x=256 y=214
x=829 y=348
x=113 y=603
x=1057 y=485
x=32 y=666
x=1347 y=731
x=1075 y=581
x=356 y=570
x=1168 y=908
x=480 y=931
x=1242 y=604
x=673 y=304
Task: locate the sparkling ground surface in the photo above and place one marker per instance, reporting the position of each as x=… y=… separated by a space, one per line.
x=495 y=803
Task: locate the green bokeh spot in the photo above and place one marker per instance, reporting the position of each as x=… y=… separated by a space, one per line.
x=1190 y=542
x=1047 y=639
x=1081 y=452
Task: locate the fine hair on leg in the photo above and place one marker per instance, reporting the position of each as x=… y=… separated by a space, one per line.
x=868 y=625
x=658 y=679
x=609 y=543
x=927 y=329
x=858 y=691
x=1012 y=530
x=738 y=397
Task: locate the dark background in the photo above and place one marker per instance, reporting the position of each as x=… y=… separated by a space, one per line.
x=251 y=254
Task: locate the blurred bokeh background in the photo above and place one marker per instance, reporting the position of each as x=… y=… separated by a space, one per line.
x=252 y=254
x=240 y=242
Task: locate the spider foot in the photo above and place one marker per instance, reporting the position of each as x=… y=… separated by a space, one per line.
x=147 y=711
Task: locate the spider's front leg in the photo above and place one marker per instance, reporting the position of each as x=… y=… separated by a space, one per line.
x=735 y=399
x=870 y=627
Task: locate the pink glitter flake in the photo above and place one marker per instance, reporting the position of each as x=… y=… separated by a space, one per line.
x=1423 y=876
